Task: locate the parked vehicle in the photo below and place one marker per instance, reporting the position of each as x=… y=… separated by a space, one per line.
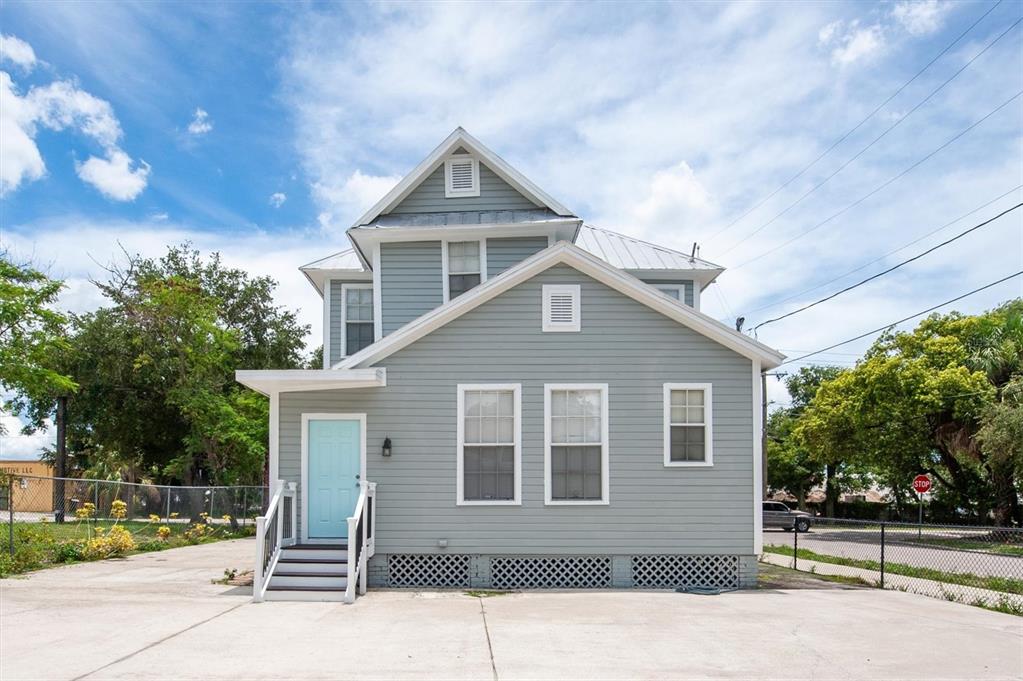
x=777 y=514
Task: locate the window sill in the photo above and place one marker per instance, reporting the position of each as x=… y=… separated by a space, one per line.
x=688 y=464
x=513 y=502
x=579 y=502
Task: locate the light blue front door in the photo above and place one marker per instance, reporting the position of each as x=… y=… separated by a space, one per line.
x=334 y=466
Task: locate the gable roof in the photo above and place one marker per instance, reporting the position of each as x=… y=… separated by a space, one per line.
x=461 y=139
x=565 y=253
x=341 y=265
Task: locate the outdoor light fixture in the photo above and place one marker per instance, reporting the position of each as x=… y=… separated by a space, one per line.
x=387 y=447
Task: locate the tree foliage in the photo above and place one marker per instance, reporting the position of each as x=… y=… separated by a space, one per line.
x=156 y=369
x=32 y=334
x=917 y=402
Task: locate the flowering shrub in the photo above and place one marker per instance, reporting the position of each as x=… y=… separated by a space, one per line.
x=153 y=518
x=164 y=532
x=117 y=542
x=118 y=510
x=86 y=511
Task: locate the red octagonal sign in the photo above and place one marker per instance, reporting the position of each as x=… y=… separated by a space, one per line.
x=921 y=484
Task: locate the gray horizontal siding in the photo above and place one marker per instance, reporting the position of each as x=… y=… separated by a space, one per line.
x=410 y=281
x=504 y=253
x=688 y=283
x=495 y=194
x=635 y=350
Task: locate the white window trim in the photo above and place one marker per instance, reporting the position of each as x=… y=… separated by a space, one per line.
x=708 y=421
x=516 y=389
x=344 y=313
x=449 y=192
x=545 y=308
x=445 y=271
x=681 y=288
x=605 y=473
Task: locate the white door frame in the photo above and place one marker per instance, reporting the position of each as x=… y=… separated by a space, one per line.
x=306 y=418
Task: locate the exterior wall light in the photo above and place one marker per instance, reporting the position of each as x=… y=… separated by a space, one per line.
x=387 y=447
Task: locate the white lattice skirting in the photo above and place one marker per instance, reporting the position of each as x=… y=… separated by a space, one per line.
x=459 y=571
x=672 y=571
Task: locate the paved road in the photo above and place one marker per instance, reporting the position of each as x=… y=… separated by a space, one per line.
x=157 y=616
x=866 y=545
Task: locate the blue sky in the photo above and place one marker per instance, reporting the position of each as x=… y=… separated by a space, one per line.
x=263 y=130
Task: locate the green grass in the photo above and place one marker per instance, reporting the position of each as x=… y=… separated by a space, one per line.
x=40 y=545
x=968 y=545
x=485 y=593
x=1003 y=584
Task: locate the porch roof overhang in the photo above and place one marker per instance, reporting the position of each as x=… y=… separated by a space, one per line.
x=299 y=380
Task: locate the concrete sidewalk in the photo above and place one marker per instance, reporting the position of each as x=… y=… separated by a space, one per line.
x=158 y=616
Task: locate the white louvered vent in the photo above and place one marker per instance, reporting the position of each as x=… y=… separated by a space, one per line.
x=461 y=177
x=561 y=308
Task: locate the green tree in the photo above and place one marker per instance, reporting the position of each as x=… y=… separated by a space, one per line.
x=156 y=369
x=915 y=404
x=32 y=336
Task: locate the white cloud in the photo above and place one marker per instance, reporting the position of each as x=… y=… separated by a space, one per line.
x=921 y=18
x=277 y=199
x=850 y=42
x=62 y=105
x=346 y=199
x=17 y=51
x=14 y=445
x=117 y=177
x=676 y=197
x=201 y=123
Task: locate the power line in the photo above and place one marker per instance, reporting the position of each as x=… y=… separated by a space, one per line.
x=904 y=319
x=857 y=126
x=877 y=139
x=890 y=269
x=882 y=185
x=889 y=253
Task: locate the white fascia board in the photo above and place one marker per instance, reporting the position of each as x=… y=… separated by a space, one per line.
x=569 y=254
x=318 y=278
x=701 y=276
x=456 y=139
x=297 y=380
x=367 y=239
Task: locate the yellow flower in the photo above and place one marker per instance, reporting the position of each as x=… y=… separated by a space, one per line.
x=174 y=515
x=164 y=532
x=86 y=510
x=119 y=509
x=153 y=518
x=226 y=518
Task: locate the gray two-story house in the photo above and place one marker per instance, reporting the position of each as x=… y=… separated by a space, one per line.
x=510 y=398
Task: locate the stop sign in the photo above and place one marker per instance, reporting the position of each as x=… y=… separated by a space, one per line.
x=921 y=484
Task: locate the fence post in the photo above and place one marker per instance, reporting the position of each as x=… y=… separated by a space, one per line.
x=882 y=553
x=245 y=504
x=168 y=493
x=10 y=514
x=213 y=491
x=795 y=549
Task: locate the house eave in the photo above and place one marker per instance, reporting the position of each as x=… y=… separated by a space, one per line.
x=273 y=381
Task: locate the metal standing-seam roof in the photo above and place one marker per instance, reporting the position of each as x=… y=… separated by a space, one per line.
x=342 y=260
x=628 y=253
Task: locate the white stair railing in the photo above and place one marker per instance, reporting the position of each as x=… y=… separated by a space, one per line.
x=274 y=531
x=361 y=540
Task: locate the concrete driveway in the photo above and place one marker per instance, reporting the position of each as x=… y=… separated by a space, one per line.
x=158 y=616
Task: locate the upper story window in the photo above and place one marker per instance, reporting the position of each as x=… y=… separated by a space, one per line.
x=357 y=316
x=464 y=269
x=576 y=439
x=461 y=177
x=561 y=307
x=489 y=444
x=673 y=291
x=687 y=424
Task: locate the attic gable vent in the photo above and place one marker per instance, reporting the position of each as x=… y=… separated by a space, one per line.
x=561 y=308
x=461 y=176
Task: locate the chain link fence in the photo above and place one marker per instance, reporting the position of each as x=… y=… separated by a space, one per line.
x=66 y=504
x=980 y=566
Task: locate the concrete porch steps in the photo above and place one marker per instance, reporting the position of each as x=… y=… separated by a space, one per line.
x=310 y=572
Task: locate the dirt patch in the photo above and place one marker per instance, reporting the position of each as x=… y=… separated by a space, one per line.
x=775 y=577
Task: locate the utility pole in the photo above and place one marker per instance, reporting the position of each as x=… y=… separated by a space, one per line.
x=61 y=468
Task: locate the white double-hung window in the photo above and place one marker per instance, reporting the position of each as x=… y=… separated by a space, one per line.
x=576 y=444
x=688 y=437
x=489 y=444
x=463 y=266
